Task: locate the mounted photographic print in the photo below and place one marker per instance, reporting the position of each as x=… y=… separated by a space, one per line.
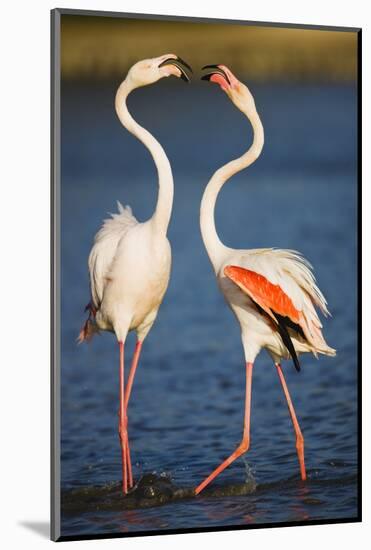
x=205 y=205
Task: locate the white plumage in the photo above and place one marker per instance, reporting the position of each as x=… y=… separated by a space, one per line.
x=104 y=249
x=129 y=264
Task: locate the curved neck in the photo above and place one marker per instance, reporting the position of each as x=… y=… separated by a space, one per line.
x=213 y=244
x=161 y=216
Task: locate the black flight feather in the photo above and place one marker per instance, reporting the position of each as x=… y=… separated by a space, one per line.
x=282 y=329
x=282 y=324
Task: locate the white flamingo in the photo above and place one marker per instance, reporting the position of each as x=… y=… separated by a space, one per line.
x=129 y=264
x=272 y=292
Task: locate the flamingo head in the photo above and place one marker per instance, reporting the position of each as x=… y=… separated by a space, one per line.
x=149 y=71
x=236 y=90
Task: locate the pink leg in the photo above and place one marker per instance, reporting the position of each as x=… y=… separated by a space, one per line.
x=299 y=435
x=123 y=422
x=129 y=470
x=129 y=386
x=133 y=368
x=245 y=443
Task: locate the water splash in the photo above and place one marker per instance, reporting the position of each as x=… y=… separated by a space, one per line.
x=249 y=473
x=151 y=490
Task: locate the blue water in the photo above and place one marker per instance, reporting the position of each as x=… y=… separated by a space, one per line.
x=187 y=403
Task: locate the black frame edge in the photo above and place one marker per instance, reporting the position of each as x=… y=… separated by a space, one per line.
x=359 y=266
x=169 y=17
x=214 y=529
x=55 y=75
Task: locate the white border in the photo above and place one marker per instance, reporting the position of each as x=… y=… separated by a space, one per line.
x=24 y=275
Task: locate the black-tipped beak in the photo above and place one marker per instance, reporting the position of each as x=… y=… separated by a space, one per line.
x=216 y=70
x=179 y=64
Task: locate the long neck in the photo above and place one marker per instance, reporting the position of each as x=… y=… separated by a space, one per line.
x=161 y=216
x=215 y=248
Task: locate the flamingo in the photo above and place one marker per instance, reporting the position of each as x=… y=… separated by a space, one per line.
x=272 y=292
x=129 y=263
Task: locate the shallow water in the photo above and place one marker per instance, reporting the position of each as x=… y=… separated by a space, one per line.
x=186 y=409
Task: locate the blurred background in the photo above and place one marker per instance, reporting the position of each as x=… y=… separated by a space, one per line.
x=187 y=403
x=96 y=47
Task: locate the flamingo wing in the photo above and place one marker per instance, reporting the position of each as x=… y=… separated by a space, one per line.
x=271 y=299
x=281 y=283
x=104 y=249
